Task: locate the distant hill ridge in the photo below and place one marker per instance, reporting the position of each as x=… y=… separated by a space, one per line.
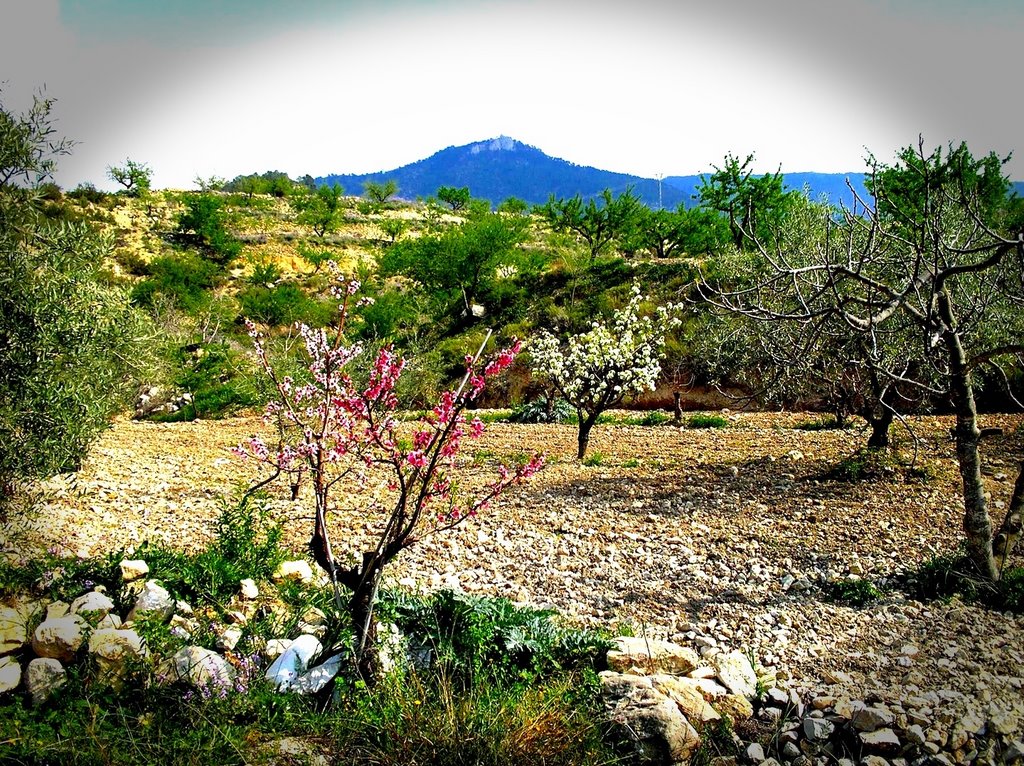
x=503 y=167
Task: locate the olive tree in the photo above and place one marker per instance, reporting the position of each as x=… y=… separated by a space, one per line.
x=598 y=369
x=936 y=254
x=67 y=338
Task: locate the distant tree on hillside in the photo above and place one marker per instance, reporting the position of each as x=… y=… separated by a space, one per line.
x=380 y=192
x=455 y=198
x=133 y=176
x=753 y=205
x=319 y=210
x=597 y=222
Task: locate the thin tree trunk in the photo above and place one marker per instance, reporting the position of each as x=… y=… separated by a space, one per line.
x=977 y=524
x=364 y=622
x=584 y=434
x=1010 y=531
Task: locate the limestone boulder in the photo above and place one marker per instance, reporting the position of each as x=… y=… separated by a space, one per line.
x=650 y=656
x=201 y=668
x=13 y=630
x=44 y=676
x=115 y=652
x=687 y=695
x=297 y=570
x=93 y=605
x=133 y=569
x=60 y=638
x=736 y=674
x=10 y=674
x=153 y=600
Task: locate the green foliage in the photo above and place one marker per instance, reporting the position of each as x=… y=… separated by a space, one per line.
x=953 y=574
x=393 y=228
x=754 y=206
x=542 y=410
x=246 y=545
x=597 y=223
x=284 y=304
x=390 y=317
x=702 y=420
x=184 y=278
x=218 y=377
x=69 y=342
x=202 y=225
x=514 y=206
x=319 y=210
x=426 y=721
x=458 y=263
x=865 y=464
x=380 y=192
x=672 y=233
x=467 y=634
x=133 y=176
x=851 y=592
x=595 y=458
x=456 y=198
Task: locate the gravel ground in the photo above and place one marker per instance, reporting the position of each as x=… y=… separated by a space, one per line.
x=715 y=537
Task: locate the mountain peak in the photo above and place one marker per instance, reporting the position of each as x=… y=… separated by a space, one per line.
x=500 y=144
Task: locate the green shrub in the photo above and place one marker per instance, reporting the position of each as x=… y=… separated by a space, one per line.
x=185 y=278
x=69 y=350
x=428 y=721
x=219 y=379
x=851 y=592
x=542 y=411
x=284 y=304
x=706 y=421
x=467 y=634
x=202 y=226
x=595 y=458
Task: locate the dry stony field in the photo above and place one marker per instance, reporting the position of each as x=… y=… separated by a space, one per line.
x=717 y=537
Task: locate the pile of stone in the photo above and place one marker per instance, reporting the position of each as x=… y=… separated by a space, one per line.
x=89 y=630
x=666 y=699
x=663 y=697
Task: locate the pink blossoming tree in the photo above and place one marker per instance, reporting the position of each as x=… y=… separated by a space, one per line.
x=332 y=430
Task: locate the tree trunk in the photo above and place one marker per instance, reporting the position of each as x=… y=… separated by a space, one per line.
x=977 y=524
x=364 y=623
x=880 y=424
x=1010 y=531
x=584 y=435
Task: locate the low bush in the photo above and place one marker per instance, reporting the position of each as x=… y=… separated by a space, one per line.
x=851 y=592
x=706 y=421
x=542 y=411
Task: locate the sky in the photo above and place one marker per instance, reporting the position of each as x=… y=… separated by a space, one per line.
x=647 y=87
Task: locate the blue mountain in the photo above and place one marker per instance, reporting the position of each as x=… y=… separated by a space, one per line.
x=502 y=167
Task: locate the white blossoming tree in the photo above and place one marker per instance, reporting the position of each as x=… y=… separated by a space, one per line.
x=598 y=369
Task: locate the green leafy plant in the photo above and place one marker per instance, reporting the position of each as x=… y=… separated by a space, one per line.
x=851 y=592
x=542 y=410
x=706 y=421
x=595 y=458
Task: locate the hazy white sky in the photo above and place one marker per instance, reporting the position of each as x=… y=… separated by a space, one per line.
x=224 y=87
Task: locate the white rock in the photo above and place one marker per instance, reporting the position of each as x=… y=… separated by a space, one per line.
x=59 y=639
x=248 y=589
x=92 y=604
x=284 y=671
x=109 y=621
x=202 y=668
x=298 y=570
x=13 y=630
x=43 y=676
x=133 y=569
x=114 y=650
x=229 y=638
x=736 y=674
x=57 y=609
x=754 y=752
x=154 y=600
x=634 y=653
x=687 y=695
x=818 y=729
x=276 y=647
x=10 y=674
